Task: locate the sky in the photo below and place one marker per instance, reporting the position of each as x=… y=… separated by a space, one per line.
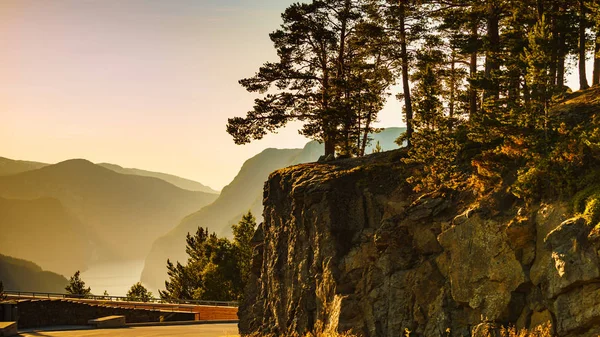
x=148 y=84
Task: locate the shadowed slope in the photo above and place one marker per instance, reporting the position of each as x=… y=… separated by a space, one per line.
x=243 y=194
x=127 y=212
x=22 y=275
x=42 y=231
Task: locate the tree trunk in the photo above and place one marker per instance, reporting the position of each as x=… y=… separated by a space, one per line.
x=583 y=83
x=328 y=138
x=329 y=146
x=560 y=71
x=596 y=75
x=366 y=133
x=554 y=52
x=452 y=86
x=491 y=61
x=405 y=81
x=473 y=72
x=341 y=76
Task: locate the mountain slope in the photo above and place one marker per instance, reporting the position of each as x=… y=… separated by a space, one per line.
x=244 y=193
x=42 y=231
x=123 y=213
x=183 y=183
x=10 y=166
x=22 y=275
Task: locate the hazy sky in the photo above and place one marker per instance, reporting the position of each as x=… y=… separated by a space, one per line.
x=139 y=83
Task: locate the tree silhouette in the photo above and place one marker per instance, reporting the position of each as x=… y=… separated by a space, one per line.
x=77 y=287
x=139 y=293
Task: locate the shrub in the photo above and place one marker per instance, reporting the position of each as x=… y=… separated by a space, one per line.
x=139 y=293
x=77 y=287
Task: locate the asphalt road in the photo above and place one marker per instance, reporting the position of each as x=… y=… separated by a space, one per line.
x=204 y=330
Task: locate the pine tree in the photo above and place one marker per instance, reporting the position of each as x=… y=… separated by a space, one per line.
x=434 y=145
x=311 y=80
x=77 y=287
x=538 y=57
x=216 y=269
x=582 y=49
x=2 y=294
x=595 y=9
x=403 y=23
x=139 y=293
x=243 y=232
x=377 y=148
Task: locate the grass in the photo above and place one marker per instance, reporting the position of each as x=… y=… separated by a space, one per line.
x=511 y=331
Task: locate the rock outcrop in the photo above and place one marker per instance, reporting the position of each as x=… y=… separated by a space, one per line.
x=346 y=245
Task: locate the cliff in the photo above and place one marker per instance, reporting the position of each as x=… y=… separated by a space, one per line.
x=347 y=246
x=242 y=194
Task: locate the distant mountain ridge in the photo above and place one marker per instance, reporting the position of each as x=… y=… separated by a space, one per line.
x=22 y=275
x=183 y=183
x=242 y=194
x=10 y=166
x=121 y=213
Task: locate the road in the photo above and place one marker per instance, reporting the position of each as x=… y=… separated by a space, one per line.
x=202 y=330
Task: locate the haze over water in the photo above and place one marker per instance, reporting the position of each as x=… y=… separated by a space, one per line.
x=114 y=277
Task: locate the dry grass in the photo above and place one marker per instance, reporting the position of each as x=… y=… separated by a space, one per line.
x=320 y=334
x=511 y=331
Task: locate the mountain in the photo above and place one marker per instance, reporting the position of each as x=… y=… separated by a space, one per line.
x=183 y=183
x=22 y=275
x=387 y=139
x=9 y=166
x=244 y=193
x=42 y=230
x=123 y=213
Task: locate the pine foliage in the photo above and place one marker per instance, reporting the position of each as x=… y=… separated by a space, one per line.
x=478 y=81
x=217 y=269
x=139 y=293
x=77 y=287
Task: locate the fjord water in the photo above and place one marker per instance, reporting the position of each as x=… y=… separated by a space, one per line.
x=116 y=277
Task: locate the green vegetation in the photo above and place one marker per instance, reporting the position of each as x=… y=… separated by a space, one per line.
x=488 y=126
x=2 y=295
x=77 y=287
x=511 y=331
x=217 y=268
x=139 y=293
x=331 y=75
x=22 y=275
x=242 y=194
x=377 y=148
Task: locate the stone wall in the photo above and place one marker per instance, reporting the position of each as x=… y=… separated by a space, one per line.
x=347 y=246
x=40 y=313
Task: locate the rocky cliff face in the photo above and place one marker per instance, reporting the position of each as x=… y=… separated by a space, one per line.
x=347 y=246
